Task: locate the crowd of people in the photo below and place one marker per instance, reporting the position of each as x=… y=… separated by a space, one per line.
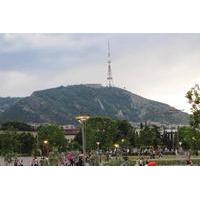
x=69 y=159
x=98 y=157
x=18 y=162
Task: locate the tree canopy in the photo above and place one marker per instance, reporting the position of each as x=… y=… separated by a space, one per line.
x=18 y=126
x=54 y=136
x=104 y=132
x=193 y=95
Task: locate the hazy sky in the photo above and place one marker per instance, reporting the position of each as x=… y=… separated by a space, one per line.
x=161 y=67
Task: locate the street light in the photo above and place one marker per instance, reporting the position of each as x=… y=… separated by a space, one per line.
x=99 y=153
x=180 y=147
x=82 y=119
x=45 y=141
x=116 y=146
x=98 y=143
x=45 y=148
x=116 y=150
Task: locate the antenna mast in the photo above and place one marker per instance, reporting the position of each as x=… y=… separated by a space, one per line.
x=109 y=75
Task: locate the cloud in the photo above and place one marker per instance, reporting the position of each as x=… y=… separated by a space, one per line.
x=17 y=42
x=164 y=72
x=16 y=83
x=157 y=66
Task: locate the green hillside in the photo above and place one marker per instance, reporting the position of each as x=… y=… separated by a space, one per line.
x=7 y=102
x=62 y=104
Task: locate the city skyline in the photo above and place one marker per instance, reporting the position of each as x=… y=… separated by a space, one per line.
x=161 y=67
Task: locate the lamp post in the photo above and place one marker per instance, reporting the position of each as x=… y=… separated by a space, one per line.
x=116 y=150
x=122 y=141
x=82 y=119
x=99 y=153
x=180 y=148
x=180 y=143
x=98 y=143
x=124 y=149
x=116 y=146
x=45 y=142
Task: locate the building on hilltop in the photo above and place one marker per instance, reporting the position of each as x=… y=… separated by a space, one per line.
x=93 y=85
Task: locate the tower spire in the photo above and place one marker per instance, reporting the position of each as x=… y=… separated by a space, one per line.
x=109 y=75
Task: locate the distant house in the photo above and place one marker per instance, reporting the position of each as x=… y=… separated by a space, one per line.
x=70 y=131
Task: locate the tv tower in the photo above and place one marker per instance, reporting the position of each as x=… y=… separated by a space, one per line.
x=109 y=75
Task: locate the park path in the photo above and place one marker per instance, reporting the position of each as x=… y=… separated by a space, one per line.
x=26 y=161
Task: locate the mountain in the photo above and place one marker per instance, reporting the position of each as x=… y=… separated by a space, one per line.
x=62 y=104
x=7 y=102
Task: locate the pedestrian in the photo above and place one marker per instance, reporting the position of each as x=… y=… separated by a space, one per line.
x=141 y=162
x=80 y=160
x=21 y=163
x=35 y=162
x=70 y=158
x=107 y=156
x=42 y=161
x=189 y=162
x=16 y=162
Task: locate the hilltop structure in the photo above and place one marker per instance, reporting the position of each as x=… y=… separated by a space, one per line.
x=109 y=76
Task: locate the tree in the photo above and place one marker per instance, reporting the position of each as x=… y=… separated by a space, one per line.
x=19 y=126
x=20 y=143
x=149 y=136
x=54 y=137
x=126 y=134
x=102 y=130
x=25 y=143
x=190 y=138
x=193 y=95
x=7 y=143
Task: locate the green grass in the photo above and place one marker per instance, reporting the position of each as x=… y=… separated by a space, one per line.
x=164 y=161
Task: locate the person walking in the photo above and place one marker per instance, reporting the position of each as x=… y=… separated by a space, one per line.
x=35 y=162
x=21 y=163
x=16 y=162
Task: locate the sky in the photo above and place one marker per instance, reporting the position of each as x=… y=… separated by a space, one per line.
x=161 y=67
